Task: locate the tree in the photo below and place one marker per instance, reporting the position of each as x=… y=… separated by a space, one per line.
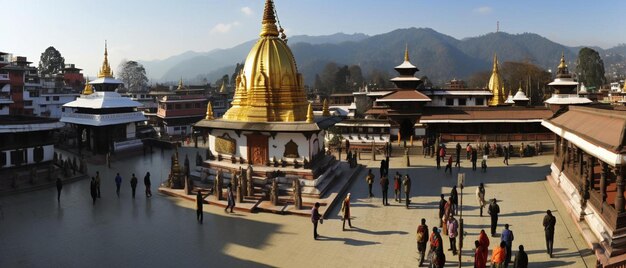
x=51 y=62
x=356 y=77
x=328 y=77
x=529 y=75
x=133 y=75
x=318 y=83
x=590 y=68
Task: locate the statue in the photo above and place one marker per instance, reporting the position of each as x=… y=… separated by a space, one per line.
x=297 y=194
x=239 y=192
x=274 y=192
x=217 y=185
x=249 y=181
x=177 y=176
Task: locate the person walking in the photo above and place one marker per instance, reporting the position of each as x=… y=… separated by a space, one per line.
x=118 y=183
x=345 y=209
x=521 y=258
x=468 y=151
x=406 y=183
x=437 y=156
x=230 y=199
x=384 y=185
x=437 y=257
x=199 y=204
x=442 y=210
x=422 y=238
x=498 y=256
x=483 y=164
x=483 y=239
x=449 y=165
x=370 y=180
x=507 y=237
x=98 y=183
x=94 y=193
x=454 y=197
x=447 y=212
x=315 y=218
x=147 y=183
x=59 y=188
x=133 y=184
x=480 y=196
x=458 y=155
x=396 y=187
x=506 y=155
x=453 y=232
x=479 y=260
x=383 y=166
x=549 y=222
x=494 y=210
x=474 y=159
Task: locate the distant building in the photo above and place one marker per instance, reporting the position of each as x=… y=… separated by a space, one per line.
x=177 y=112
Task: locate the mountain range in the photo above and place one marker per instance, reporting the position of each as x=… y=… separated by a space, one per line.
x=438 y=56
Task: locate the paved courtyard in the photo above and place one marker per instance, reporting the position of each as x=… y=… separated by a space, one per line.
x=161 y=231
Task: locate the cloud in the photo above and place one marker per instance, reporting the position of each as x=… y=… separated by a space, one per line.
x=224 y=27
x=247 y=11
x=483 y=10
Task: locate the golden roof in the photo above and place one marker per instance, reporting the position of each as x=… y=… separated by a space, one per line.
x=325 y=111
x=105 y=70
x=88 y=88
x=310 y=118
x=269 y=88
x=406 y=53
x=496 y=85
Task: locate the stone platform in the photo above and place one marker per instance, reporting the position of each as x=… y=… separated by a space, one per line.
x=335 y=189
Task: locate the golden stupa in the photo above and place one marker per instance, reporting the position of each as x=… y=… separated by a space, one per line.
x=496 y=85
x=269 y=89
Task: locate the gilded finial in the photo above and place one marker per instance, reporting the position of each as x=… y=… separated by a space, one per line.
x=180 y=84
x=495 y=63
x=325 y=111
x=406 y=53
x=223 y=88
x=269 y=20
x=562 y=65
x=309 y=116
x=209 y=112
x=520 y=86
x=88 y=88
x=105 y=70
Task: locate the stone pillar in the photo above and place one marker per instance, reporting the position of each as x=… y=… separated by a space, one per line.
x=603 y=176
x=619 y=198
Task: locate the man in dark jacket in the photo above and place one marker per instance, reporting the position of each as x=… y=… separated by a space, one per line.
x=458 y=155
x=147 y=183
x=133 y=184
x=59 y=187
x=474 y=158
x=93 y=188
x=315 y=218
x=521 y=258
x=422 y=239
x=442 y=209
x=406 y=183
x=384 y=185
x=454 y=197
x=199 y=205
x=549 y=222
x=118 y=183
x=494 y=210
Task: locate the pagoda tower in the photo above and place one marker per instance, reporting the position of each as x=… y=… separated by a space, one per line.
x=104 y=120
x=496 y=84
x=406 y=79
x=564 y=86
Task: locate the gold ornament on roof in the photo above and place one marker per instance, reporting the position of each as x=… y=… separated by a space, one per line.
x=496 y=85
x=180 y=84
x=325 y=111
x=209 y=112
x=562 y=65
x=269 y=88
x=105 y=70
x=88 y=90
x=406 y=53
x=223 y=88
x=310 y=118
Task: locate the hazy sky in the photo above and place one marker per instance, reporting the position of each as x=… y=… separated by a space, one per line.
x=156 y=29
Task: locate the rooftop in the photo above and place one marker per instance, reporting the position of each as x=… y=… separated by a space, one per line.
x=484 y=114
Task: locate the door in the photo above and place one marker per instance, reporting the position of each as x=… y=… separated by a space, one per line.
x=258 y=152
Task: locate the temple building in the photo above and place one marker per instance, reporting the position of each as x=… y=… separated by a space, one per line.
x=588 y=175
x=178 y=112
x=564 y=89
x=104 y=120
x=270 y=125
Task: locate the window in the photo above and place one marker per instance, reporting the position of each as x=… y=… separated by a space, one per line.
x=480 y=101
x=462 y=102
x=55 y=98
x=449 y=101
x=47 y=98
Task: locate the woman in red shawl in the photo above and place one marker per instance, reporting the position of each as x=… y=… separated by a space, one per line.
x=483 y=239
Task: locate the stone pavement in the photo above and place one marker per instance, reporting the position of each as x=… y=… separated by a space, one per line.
x=162 y=231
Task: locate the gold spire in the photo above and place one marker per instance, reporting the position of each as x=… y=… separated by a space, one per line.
x=209 y=112
x=624 y=88
x=562 y=64
x=88 y=88
x=496 y=85
x=310 y=118
x=269 y=20
x=406 y=52
x=180 y=84
x=325 y=111
x=223 y=88
x=105 y=70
